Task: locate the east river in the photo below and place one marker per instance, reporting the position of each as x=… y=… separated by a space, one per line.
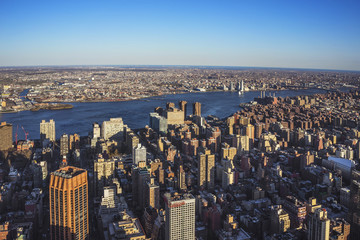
x=134 y=113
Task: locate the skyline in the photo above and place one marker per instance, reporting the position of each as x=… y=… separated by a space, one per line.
x=306 y=35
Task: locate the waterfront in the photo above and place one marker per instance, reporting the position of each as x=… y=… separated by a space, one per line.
x=134 y=113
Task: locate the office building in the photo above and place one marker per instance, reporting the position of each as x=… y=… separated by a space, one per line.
x=69 y=204
x=180 y=216
x=5 y=136
x=319 y=225
x=47 y=130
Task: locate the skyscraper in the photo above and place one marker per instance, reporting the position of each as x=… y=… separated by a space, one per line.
x=206 y=165
x=319 y=225
x=69 y=204
x=64 y=144
x=5 y=136
x=47 y=130
x=180 y=216
x=140 y=176
x=197 y=109
x=354 y=211
x=182 y=106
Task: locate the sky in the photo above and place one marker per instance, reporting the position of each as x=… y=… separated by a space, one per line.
x=271 y=33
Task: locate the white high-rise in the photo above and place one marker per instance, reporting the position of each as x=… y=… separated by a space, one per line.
x=180 y=216
x=47 y=130
x=139 y=154
x=112 y=129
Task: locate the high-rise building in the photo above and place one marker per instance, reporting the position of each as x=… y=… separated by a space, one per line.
x=96 y=133
x=47 y=130
x=103 y=173
x=112 y=129
x=152 y=194
x=5 y=136
x=69 y=204
x=180 y=216
x=64 y=144
x=140 y=176
x=182 y=106
x=74 y=141
x=206 y=165
x=197 y=109
x=139 y=154
x=158 y=123
x=181 y=177
x=319 y=225
x=174 y=116
x=354 y=210
x=280 y=221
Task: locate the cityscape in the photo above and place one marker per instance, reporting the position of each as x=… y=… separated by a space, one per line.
x=179 y=120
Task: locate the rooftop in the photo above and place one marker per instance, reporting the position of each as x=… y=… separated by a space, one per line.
x=68 y=172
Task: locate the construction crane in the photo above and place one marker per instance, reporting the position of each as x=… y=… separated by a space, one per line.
x=26 y=133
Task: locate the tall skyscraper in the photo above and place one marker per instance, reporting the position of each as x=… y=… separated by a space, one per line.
x=64 y=144
x=182 y=106
x=354 y=211
x=69 y=204
x=140 y=176
x=206 y=175
x=180 y=216
x=113 y=129
x=197 y=109
x=5 y=136
x=319 y=225
x=47 y=130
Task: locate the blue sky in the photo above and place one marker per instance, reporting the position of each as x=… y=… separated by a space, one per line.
x=294 y=34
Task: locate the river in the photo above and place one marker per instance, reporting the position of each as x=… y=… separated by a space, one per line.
x=134 y=113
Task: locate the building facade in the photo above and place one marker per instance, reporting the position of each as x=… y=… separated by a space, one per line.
x=47 y=130
x=180 y=216
x=68 y=195
x=5 y=136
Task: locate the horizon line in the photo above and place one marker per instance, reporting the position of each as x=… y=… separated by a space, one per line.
x=177 y=66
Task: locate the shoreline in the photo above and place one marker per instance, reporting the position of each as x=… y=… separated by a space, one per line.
x=147 y=98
